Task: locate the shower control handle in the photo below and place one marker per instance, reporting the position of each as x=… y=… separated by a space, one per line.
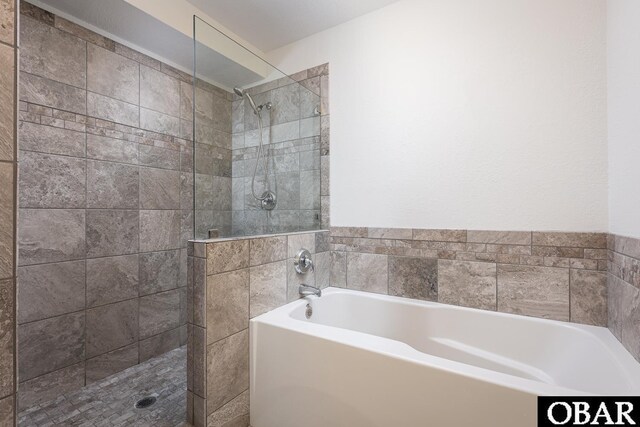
x=303 y=261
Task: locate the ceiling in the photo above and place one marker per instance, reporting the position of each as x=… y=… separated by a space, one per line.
x=123 y=22
x=270 y=24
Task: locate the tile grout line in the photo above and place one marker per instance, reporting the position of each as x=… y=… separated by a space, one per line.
x=86 y=196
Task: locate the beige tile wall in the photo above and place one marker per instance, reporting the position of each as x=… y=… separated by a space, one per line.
x=558 y=276
x=233 y=280
x=8 y=169
x=105 y=149
x=298 y=140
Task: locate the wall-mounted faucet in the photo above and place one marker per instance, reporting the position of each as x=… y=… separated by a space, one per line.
x=307 y=290
x=303 y=261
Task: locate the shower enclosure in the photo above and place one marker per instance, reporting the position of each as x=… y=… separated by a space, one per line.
x=256 y=133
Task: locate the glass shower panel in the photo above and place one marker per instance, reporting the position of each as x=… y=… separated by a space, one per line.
x=256 y=136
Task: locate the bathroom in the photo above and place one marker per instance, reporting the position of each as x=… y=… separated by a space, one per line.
x=319 y=213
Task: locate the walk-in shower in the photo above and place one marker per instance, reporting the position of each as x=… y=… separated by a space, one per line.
x=268 y=198
x=256 y=152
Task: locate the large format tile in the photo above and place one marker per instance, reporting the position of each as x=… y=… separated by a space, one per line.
x=298 y=241
x=112 y=232
x=103 y=107
x=112 y=279
x=49 y=139
x=413 y=278
x=468 y=284
x=111 y=326
x=159 y=122
x=268 y=249
x=115 y=150
x=338 y=262
x=7 y=327
x=367 y=272
x=49 y=290
x=159 y=344
x=615 y=295
x=199 y=289
x=287 y=100
x=198 y=353
x=7 y=24
x=111 y=363
x=228 y=363
x=6 y=220
x=112 y=75
x=631 y=327
x=112 y=185
x=159 y=91
x=628 y=246
x=204 y=192
x=227 y=256
x=159 y=271
x=48 y=52
x=159 y=230
x=158 y=157
x=227 y=304
x=534 y=291
x=624 y=314
x=47 y=345
x=42 y=91
x=310 y=190
x=7 y=104
x=83 y=33
x=159 y=189
x=233 y=414
x=49 y=181
x=221 y=114
x=50 y=235
x=221 y=188
x=589 y=297
x=159 y=313
x=49 y=386
x=323 y=270
x=7 y=410
x=186 y=101
x=268 y=287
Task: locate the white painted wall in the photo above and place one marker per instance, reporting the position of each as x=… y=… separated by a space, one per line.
x=623 y=73
x=467 y=114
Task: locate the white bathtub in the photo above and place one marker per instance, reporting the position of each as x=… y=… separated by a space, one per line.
x=365 y=360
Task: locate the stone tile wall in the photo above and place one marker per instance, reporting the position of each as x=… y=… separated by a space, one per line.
x=105 y=204
x=624 y=291
x=561 y=276
x=232 y=281
x=298 y=143
x=8 y=168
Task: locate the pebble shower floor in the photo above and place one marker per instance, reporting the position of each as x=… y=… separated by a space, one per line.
x=110 y=402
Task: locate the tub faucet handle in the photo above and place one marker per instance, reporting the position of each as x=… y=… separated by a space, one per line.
x=303 y=261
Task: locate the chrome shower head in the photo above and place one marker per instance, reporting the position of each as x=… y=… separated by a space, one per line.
x=245 y=94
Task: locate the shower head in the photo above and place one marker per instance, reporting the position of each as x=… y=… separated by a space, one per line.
x=244 y=94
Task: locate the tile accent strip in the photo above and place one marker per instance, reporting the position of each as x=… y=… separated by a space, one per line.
x=551 y=275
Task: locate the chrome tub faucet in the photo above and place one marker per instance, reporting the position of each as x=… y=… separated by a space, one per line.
x=307 y=290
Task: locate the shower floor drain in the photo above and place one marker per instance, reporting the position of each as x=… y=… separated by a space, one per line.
x=145 y=402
